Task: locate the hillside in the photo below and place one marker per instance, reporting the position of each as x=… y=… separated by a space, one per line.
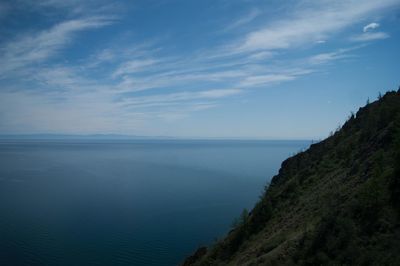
x=337 y=203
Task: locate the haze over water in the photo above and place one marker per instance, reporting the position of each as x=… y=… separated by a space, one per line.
x=131 y=202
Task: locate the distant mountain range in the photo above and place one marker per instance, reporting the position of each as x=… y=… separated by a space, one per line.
x=77 y=137
x=122 y=137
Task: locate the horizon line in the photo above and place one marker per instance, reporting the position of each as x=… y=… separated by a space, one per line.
x=112 y=136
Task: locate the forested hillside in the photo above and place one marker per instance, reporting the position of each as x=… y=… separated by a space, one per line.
x=337 y=203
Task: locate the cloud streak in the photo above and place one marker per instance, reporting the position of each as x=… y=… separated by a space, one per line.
x=371 y=26
x=249 y=17
x=127 y=86
x=134 y=66
x=145 y=101
x=370 y=36
x=38 y=47
x=310 y=24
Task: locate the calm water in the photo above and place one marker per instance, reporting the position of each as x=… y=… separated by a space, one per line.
x=126 y=202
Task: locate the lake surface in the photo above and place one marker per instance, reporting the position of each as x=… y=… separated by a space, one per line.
x=130 y=202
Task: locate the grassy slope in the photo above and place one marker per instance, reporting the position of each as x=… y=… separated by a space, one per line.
x=335 y=204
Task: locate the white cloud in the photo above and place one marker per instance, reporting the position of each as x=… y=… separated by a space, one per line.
x=70 y=8
x=370 y=36
x=253 y=81
x=42 y=113
x=67 y=81
x=370 y=26
x=261 y=55
x=309 y=25
x=324 y=58
x=168 y=79
x=37 y=47
x=134 y=66
x=72 y=95
x=144 y=101
x=253 y=14
x=121 y=54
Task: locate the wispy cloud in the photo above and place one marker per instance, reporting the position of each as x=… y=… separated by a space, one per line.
x=35 y=48
x=261 y=55
x=47 y=115
x=134 y=66
x=249 y=17
x=70 y=8
x=311 y=24
x=324 y=58
x=265 y=79
x=371 y=26
x=127 y=85
x=370 y=36
x=144 y=101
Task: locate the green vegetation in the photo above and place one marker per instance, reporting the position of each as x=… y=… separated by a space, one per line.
x=338 y=203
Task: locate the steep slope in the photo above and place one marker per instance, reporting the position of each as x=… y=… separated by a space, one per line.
x=338 y=203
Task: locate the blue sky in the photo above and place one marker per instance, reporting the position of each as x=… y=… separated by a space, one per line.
x=186 y=68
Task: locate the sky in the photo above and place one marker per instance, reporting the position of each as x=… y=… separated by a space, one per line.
x=253 y=69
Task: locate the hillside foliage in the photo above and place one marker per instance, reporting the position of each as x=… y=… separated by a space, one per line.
x=337 y=203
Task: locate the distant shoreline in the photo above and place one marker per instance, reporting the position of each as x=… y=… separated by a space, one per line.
x=134 y=138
